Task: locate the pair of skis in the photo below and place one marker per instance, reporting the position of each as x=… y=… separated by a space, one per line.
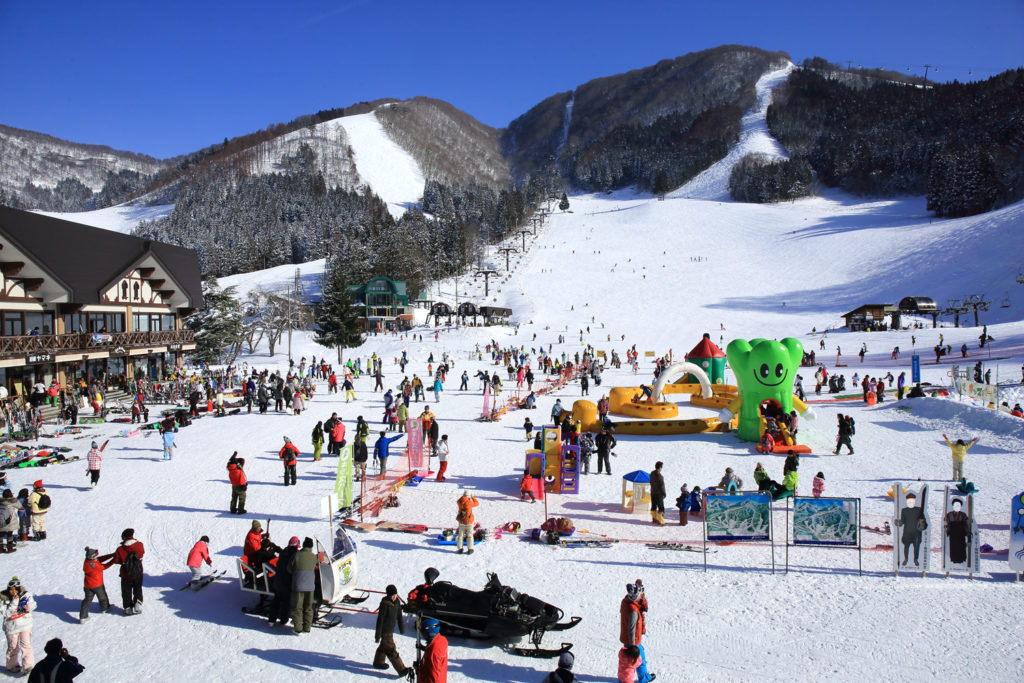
x=203 y=582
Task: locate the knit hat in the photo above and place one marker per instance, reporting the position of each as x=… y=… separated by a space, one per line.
x=127 y=533
x=15 y=581
x=391 y=590
x=95 y=445
x=294 y=542
x=256 y=525
x=287 y=440
x=632 y=591
x=38 y=484
x=307 y=543
x=566 y=660
x=91 y=552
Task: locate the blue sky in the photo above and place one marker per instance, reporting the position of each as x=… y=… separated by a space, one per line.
x=169 y=78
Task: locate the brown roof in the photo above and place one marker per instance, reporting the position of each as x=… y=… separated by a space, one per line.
x=86 y=260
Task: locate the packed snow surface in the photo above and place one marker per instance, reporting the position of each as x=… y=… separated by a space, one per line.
x=122 y=218
x=635 y=271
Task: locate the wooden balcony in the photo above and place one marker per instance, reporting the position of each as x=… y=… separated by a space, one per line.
x=116 y=342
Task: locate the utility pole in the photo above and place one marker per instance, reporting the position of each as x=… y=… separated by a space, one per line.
x=926 y=67
x=524 y=233
x=487 y=275
x=507 y=251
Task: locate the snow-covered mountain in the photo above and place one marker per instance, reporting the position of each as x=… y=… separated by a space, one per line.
x=43 y=160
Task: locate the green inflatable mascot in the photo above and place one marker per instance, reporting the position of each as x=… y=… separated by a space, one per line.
x=765 y=370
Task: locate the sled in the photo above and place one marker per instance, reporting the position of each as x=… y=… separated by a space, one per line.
x=783 y=449
x=443 y=540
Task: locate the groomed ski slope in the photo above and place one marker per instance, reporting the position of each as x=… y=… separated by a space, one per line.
x=122 y=218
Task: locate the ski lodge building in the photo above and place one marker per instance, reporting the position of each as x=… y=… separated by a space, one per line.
x=385 y=304
x=79 y=302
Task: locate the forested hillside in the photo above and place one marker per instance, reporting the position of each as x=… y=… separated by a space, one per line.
x=960 y=144
x=241 y=223
x=675 y=118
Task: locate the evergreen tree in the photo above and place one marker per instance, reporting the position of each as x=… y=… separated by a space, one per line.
x=218 y=326
x=563 y=203
x=661 y=185
x=337 y=318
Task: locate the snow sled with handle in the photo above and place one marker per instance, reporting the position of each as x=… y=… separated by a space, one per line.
x=336 y=575
x=497 y=612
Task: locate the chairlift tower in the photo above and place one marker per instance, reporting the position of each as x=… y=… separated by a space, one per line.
x=487 y=275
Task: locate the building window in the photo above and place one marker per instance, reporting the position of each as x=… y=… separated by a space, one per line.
x=40 y=323
x=14 y=325
x=168 y=322
x=75 y=323
x=140 y=322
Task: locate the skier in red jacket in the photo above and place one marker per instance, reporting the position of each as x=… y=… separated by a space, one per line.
x=433 y=667
x=290 y=456
x=93 y=568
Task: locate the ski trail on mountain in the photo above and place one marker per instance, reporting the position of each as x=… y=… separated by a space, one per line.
x=713 y=182
x=388 y=169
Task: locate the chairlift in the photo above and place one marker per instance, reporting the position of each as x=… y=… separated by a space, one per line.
x=1006 y=301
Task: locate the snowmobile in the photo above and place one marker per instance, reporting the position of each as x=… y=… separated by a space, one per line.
x=499 y=612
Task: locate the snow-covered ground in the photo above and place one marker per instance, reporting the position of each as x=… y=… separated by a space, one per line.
x=121 y=218
x=637 y=272
x=390 y=171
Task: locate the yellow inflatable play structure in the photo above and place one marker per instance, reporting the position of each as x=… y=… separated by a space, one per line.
x=654 y=415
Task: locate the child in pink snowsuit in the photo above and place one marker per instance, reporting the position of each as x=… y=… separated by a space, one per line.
x=629 y=660
x=818 y=486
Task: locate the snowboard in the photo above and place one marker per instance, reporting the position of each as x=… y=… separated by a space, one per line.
x=92 y=420
x=972 y=559
x=1015 y=554
x=899 y=559
x=359 y=526
x=403 y=528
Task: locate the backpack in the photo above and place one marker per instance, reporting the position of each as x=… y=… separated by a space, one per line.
x=853 y=428
x=463 y=516
x=7 y=515
x=132 y=565
x=44 y=502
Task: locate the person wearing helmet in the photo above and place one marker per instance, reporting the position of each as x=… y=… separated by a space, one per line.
x=95 y=458
x=433 y=666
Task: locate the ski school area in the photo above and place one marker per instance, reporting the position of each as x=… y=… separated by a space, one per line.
x=761 y=567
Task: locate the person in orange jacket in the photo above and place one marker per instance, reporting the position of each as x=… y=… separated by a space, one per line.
x=433 y=666
x=632 y=625
x=253 y=539
x=290 y=456
x=93 y=568
x=465 y=519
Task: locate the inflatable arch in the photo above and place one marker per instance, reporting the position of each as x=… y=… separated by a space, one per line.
x=685 y=368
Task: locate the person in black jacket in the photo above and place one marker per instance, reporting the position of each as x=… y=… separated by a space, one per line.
x=57 y=667
x=389 y=615
x=280 y=608
x=605 y=442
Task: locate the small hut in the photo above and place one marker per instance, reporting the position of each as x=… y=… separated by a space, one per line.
x=636 y=492
x=709 y=357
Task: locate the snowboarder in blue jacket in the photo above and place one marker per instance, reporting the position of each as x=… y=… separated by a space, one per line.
x=380 y=451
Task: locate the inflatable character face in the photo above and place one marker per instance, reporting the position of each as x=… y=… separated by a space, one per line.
x=765 y=370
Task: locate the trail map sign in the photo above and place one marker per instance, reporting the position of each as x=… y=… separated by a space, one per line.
x=826 y=521
x=740 y=517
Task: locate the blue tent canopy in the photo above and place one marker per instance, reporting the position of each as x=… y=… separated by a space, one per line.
x=638 y=477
